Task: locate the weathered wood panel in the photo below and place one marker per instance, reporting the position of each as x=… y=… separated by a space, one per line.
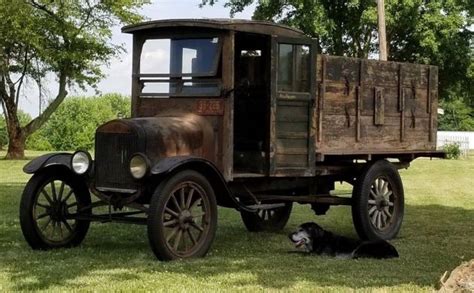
x=369 y=106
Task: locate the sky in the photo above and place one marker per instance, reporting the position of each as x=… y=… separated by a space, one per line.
x=118 y=73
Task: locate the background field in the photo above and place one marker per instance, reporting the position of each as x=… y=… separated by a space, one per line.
x=437 y=235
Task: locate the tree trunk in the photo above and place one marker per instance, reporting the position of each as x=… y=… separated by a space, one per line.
x=16 y=143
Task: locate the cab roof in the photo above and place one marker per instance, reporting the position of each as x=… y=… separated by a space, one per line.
x=240 y=25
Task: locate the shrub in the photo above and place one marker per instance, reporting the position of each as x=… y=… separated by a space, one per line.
x=453 y=150
x=73 y=124
x=3 y=133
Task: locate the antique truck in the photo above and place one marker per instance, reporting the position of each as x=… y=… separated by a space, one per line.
x=244 y=115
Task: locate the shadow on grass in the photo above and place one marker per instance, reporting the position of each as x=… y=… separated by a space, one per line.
x=434 y=239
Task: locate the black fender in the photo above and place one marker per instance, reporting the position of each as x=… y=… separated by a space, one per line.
x=48 y=160
x=224 y=196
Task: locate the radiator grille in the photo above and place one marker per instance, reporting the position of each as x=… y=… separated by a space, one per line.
x=112 y=153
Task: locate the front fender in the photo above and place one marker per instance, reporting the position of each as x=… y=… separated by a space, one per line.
x=170 y=164
x=224 y=196
x=44 y=161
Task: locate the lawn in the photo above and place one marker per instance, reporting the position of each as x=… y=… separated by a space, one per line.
x=437 y=235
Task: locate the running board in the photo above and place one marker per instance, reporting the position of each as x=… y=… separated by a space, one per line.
x=266 y=206
x=321 y=199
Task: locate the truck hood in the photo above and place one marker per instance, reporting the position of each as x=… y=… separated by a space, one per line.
x=167 y=136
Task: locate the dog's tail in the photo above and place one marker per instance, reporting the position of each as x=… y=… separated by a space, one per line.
x=375 y=249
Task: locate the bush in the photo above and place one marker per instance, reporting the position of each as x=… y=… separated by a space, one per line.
x=453 y=150
x=38 y=142
x=73 y=124
x=3 y=133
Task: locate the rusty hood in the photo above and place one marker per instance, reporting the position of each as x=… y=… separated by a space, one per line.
x=167 y=135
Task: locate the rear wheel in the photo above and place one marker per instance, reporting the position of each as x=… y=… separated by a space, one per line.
x=182 y=220
x=378 y=202
x=267 y=220
x=48 y=200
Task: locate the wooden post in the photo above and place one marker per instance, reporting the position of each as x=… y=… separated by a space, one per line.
x=382 y=35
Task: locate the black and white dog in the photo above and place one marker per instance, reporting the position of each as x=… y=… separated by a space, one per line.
x=317 y=240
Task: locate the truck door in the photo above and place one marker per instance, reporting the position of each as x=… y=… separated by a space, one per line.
x=292 y=117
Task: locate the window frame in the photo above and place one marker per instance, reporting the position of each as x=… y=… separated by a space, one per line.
x=294 y=67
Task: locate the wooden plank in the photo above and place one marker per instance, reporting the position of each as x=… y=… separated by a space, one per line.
x=224 y=152
x=339 y=137
x=359 y=100
x=290 y=144
x=136 y=89
x=273 y=106
x=292 y=135
x=382 y=73
x=291 y=161
x=322 y=92
x=379 y=107
x=401 y=102
x=292 y=113
x=358 y=109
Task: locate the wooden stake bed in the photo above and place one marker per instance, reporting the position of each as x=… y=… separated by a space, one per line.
x=375 y=108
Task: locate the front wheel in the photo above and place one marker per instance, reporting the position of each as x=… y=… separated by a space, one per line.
x=48 y=201
x=378 y=202
x=182 y=220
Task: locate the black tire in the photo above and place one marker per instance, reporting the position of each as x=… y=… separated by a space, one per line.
x=378 y=202
x=267 y=220
x=173 y=226
x=43 y=219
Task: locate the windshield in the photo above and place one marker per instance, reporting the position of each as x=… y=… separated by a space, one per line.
x=180 y=57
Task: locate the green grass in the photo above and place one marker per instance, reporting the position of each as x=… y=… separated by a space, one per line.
x=437 y=235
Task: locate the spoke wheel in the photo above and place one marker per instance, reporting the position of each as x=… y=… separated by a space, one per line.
x=267 y=220
x=183 y=217
x=381 y=204
x=48 y=201
x=378 y=202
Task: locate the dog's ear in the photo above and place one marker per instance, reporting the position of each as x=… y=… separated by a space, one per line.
x=314 y=229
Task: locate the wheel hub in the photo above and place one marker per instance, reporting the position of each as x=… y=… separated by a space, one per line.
x=57 y=211
x=381 y=203
x=185 y=218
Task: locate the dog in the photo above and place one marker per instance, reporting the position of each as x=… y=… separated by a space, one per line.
x=316 y=240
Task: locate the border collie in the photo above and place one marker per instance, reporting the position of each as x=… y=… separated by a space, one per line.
x=317 y=240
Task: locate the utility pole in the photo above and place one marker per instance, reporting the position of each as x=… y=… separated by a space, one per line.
x=382 y=35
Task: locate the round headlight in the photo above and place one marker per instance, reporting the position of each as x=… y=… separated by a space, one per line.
x=80 y=162
x=138 y=166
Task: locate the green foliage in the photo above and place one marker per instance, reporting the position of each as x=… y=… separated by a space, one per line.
x=62 y=37
x=458 y=116
x=3 y=133
x=437 y=32
x=66 y=39
x=453 y=151
x=73 y=125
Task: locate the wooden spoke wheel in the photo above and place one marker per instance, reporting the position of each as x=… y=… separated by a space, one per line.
x=378 y=202
x=48 y=200
x=183 y=217
x=267 y=220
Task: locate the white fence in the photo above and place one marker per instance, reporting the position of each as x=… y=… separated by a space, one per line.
x=464 y=139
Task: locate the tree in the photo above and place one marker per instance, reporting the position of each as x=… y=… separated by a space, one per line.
x=68 y=39
x=457 y=116
x=23 y=118
x=437 y=32
x=3 y=133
